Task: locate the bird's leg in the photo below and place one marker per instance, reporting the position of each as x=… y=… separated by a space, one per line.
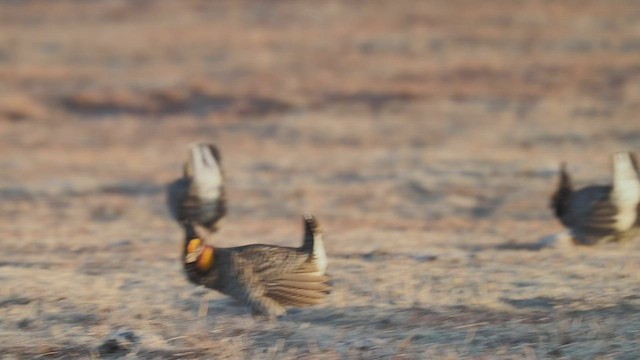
x=259 y=316
x=203 y=310
x=266 y=308
x=560 y=239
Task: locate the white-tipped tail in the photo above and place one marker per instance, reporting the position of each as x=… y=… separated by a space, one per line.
x=207 y=175
x=319 y=254
x=626 y=190
x=313 y=233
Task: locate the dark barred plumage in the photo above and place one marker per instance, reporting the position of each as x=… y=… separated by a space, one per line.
x=198 y=196
x=266 y=278
x=603 y=213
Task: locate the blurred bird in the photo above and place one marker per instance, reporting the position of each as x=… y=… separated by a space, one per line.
x=265 y=278
x=601 y=213
x=198 y=196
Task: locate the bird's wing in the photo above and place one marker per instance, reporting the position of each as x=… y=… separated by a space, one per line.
x=287 y=275
x=248 y=287
x=594 y=215
x=177 y=193
x=270 y=261
x=298 y=289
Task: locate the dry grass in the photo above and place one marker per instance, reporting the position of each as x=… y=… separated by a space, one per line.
x=424 y=135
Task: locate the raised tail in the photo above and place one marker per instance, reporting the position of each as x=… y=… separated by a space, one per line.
x=205 y=201
x=625 y=172
x=313 y=243
x=560 y=198
x=626 y=189
x=311 y=230
x=308 y=285
x=204 y=166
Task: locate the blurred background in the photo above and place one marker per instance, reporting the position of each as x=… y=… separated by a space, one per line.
x=424 y=135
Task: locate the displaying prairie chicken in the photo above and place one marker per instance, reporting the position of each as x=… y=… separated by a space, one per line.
x=266 y=278
x=602 y=213
x=198 y=196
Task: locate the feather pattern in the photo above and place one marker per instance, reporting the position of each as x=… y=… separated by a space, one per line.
x=266 y=278
x=199 y=196
x=599 y=214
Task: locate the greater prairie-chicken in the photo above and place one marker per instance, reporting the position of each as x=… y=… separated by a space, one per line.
x=601 y=213
x=198 y=196
x=266 y=278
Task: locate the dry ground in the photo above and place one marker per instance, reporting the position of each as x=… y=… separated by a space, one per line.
x=424 y=135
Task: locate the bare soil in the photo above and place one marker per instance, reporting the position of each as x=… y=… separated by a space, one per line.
x=425 y=136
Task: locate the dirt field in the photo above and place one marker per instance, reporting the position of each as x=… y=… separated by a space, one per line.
x=425 y=136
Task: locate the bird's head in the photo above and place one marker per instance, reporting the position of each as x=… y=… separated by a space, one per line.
x=196 y=252
x=199 y=254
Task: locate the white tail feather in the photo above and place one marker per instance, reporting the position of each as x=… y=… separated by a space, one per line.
x=626 y=190
x=206 y=172
x=319 y=254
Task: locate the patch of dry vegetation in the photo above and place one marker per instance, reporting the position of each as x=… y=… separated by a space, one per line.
x=424 y=135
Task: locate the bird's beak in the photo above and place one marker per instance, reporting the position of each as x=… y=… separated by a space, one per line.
x=192 y=257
